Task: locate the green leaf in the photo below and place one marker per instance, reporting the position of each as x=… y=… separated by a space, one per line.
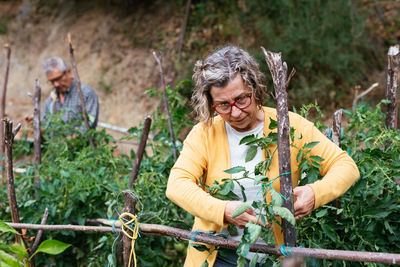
x=329 y=232
x=244 y=249
x=246 y=139
x=260 y=178
x=236 y=169
x=204 y=264
x=253 y=261
x=7 y=260
x=227 y=187
x=316 y=158
x=273 y=124
x=52 y=247
x=387 y=226
x=241 y=262
x=5 y=228
x=254 y=231
x=242 y=208
x=311 y=144
x=251 y=153
x=321 y=213
x=29 y=203
x=348 y=112
x=299 y=156
x=19 y=249
x=285 y=214
x=276 y=197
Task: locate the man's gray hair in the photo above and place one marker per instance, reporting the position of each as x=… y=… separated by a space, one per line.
x=54 y=63
x=218 y=69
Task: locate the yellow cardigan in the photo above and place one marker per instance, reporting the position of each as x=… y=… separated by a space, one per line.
x=206 y=154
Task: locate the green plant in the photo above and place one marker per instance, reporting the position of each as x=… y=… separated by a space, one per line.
x=22 y=258
x=78 y=182
x=368 y=216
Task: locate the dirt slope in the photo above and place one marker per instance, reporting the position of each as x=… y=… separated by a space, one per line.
x=111 y=52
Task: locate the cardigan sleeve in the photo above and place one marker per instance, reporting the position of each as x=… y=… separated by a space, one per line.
x=183 y=184
x=338 y=169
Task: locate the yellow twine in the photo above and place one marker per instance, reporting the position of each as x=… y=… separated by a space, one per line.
x=127 y=225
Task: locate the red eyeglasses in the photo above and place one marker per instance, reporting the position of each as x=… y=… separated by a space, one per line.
x=241 y=103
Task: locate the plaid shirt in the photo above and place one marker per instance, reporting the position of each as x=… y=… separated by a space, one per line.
x=72 y=106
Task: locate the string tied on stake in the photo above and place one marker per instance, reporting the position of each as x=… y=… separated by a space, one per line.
x=133 y=226
x=286 y=252
x=269 y=184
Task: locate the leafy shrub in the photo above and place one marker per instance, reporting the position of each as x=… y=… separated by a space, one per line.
x=368 y=217
x=78 y=182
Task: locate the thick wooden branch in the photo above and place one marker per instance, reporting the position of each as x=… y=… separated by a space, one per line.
x=392 y=84
x=171 y=130
x=8 y=142
x=130 y=203
x=3 y=101
x=162 y=230
x=140 y=151
x=78 y=83
x=278 y=71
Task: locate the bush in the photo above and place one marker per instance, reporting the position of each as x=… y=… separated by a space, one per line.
x=368 y=217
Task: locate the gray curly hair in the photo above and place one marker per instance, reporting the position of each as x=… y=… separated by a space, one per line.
x=218 y=69
x=54 y=63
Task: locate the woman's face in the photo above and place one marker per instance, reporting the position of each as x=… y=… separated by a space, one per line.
x=236 y=96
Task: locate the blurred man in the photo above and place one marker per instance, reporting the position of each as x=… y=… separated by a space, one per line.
x=66 y=96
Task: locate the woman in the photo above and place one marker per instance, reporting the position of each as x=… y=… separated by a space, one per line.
x=230 y=84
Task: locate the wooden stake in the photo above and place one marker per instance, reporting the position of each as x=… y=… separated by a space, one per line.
x=278 y=71
x=78 y=83
x=130 y=203
x=36 y=126
x=336 y=134
x=392 y=80
x=171 y=131
x=140 y=151
x=336 y=126
x=9 y=135
x=3 y=105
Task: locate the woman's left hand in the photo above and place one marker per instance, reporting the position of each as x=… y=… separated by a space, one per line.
x=305 y=200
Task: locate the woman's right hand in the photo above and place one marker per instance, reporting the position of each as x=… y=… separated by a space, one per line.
x=241 y=220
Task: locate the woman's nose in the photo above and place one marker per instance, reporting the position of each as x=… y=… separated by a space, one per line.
x=235 y=112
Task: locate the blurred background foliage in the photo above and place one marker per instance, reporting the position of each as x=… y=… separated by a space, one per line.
x=333 y=45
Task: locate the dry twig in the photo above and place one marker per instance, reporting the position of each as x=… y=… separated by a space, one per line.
x=78 y=83
x=171 y=130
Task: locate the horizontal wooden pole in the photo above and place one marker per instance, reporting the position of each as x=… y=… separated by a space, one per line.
x=162 y=230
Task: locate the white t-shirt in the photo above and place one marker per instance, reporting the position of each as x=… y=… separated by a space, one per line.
x=238 y=156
